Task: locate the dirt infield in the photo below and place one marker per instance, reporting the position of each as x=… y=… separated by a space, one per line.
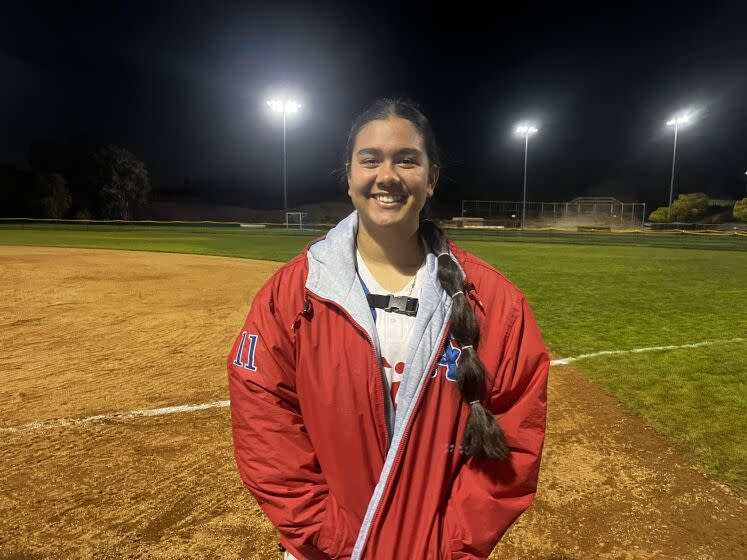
x=95 y=332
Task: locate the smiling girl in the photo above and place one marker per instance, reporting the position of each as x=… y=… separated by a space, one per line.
x=388 y=389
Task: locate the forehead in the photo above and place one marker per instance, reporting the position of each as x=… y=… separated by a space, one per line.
x=392 y=133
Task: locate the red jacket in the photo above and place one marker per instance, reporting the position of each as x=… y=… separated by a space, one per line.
x=336 y=470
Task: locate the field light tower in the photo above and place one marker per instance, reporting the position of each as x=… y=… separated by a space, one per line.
x=677 y=121
x=526 y=130
x=284 y=106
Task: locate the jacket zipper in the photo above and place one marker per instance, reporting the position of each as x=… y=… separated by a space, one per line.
x=377 y=360
x=406 y=435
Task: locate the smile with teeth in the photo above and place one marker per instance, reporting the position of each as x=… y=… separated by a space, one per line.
x=390 y=197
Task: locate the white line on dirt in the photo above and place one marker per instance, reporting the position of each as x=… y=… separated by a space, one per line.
x=71 y=422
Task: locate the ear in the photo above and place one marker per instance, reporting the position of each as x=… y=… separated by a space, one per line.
x=432 y=180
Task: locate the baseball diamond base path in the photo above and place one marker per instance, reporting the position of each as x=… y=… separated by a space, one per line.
x=88 y=332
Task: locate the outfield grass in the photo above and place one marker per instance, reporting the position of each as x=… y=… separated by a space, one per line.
x=589 y=293
x=711 y=242
x=592 y=298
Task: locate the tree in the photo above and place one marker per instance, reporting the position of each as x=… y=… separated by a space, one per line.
x=660 y=215
x=123 y=181
x=54 y=196
x=740 y=210
x=690 y=207
x=74 y=160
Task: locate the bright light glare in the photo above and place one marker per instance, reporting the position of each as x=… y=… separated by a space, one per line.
x=290 y=105
x=526 y=129
x=683 y=118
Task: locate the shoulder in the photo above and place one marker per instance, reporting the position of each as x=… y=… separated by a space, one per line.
x=284 y=291
x=291 y=272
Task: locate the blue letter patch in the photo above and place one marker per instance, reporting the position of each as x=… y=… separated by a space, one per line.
x=448 y=361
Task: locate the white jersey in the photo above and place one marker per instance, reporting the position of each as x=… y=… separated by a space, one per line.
x=393 y=328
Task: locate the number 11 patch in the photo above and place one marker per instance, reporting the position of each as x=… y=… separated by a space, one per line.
x=250 y=353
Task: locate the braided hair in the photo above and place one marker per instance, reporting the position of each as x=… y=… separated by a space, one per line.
x=483 y=436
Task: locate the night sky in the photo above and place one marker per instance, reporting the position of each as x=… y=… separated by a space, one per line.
x=183 y=85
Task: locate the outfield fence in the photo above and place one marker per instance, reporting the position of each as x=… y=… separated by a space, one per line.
x=727 y=230
x=30 y=223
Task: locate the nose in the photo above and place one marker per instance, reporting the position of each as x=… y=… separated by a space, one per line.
x=387 y=174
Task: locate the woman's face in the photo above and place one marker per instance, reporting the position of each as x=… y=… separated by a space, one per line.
x=389 y=175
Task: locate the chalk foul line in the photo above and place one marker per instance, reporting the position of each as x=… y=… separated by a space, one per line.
x=565 y=361
x=116 y=416
x=119 y=416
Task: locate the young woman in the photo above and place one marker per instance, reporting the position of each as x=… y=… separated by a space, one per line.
x=388 y=389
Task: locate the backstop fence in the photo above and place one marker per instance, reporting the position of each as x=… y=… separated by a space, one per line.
x=583 y=211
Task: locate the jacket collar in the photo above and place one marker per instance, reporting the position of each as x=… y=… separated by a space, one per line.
x=332 y=273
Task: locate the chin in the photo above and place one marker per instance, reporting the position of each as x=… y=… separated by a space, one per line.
x=404 y=223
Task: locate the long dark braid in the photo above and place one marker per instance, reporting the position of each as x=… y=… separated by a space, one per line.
x=483 y=435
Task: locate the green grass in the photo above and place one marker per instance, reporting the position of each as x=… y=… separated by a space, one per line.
x=265 y=244
x=589 y=293
x=664 y=240
x=589 y=298
x=696 y=397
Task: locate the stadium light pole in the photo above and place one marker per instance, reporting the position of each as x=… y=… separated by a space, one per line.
x=526 y=130
x=745 y=183
x=284 y=106
x=677 y=121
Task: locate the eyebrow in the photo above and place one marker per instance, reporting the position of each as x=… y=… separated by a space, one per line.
x=398 y=151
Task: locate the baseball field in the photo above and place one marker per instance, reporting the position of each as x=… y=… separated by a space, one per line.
x=115 y=434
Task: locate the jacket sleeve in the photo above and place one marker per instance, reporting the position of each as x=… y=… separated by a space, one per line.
x=274 y=455
x=488 y=496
